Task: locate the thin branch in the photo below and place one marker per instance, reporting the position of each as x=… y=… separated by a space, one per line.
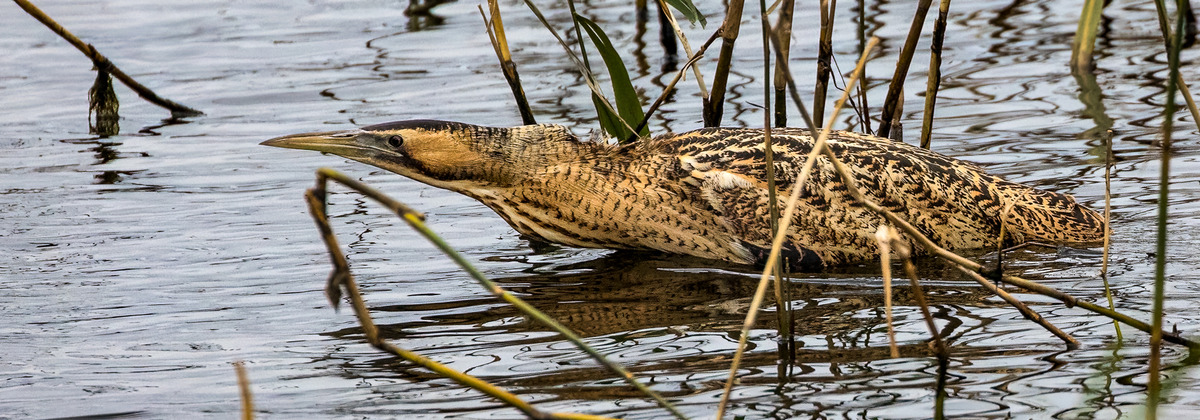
x=670 y=87
x=715 y=104
x=101 y=62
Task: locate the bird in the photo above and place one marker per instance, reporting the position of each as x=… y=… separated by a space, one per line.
x=704 y=192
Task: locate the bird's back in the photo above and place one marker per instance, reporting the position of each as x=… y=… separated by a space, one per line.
x=955 y=203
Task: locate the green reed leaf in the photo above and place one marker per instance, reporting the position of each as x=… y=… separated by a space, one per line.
x=629 y=105
x=689 y=11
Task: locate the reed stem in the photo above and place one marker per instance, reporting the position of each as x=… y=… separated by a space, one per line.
x=885 y=267
x=824 y=59
x=783 y=28
x=1108 y=161
x=906 y=54
x=780 y=235
x=247 y=397
x=714 y=106
x=782 y=313
x=495 y=31
x=935 y=73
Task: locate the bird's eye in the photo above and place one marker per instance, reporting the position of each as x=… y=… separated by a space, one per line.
x=395 y=141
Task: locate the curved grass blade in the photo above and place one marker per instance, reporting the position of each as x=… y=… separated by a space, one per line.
x=629 y=106
x=689 y=11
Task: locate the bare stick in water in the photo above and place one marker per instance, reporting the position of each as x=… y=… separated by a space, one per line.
x=101 y=62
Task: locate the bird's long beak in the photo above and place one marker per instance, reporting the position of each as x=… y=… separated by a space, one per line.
x=336 y=142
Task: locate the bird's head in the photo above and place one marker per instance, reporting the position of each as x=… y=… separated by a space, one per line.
x=444 y=154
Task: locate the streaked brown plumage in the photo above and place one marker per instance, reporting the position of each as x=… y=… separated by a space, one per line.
x=703 y=192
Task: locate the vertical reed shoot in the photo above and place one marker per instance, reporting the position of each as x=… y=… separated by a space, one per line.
x=935 y=73
x=715 y=105
x=783 y=28
x=495 y=29
x=824 y=59
x=906 y=54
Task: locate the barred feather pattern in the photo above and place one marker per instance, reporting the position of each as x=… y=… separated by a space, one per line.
x=704 y=193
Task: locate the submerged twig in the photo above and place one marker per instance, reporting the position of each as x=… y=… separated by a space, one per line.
x=341 y=278
x=103 y=64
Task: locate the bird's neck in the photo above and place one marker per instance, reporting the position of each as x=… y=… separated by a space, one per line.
x=512 y=156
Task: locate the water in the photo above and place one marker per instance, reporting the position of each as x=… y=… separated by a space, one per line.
x=137 y=268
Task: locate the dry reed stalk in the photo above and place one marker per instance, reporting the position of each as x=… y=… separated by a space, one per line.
x=935 y=73
x=244 y=390
x=783 y=28
x=662 y=5
x=495 y=30
x=864 y=119
x=782 y=312
x=103 y=64
x=904 y=251
x=885 y=267
x=780 y=235
x=824 y=58
x=714 y=105
x=1083 y=46
x=1108 y=160
x=342 y=279
x=906 y=54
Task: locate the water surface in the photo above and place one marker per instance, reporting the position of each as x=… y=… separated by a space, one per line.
x=136 y=268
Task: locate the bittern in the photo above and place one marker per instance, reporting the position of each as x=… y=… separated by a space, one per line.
x=704 y=192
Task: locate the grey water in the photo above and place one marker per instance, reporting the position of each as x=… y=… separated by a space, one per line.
x=134 y=269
